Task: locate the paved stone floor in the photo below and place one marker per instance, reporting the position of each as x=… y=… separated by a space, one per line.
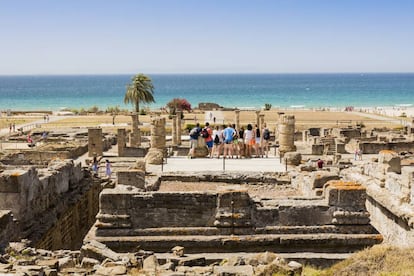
x=184 y=164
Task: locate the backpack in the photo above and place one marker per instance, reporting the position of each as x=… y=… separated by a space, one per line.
x=204 y=133
x=266 y=134
x=194 y=133
x=216 y=139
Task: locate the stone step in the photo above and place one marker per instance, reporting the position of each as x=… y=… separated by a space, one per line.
x=315 y=259
x=210 y=231
x=289 y=243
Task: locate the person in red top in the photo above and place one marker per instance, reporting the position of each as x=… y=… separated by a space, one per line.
x=320 y=164
x=209 y=139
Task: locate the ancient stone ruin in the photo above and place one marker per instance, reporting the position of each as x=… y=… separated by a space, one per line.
x=146 y=220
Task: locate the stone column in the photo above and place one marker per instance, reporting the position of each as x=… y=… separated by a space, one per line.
x=258 y=117
x=135 y=135
x=305 y=135
x=179 y=127
x=261 y=120
x=286 y=132
x=121 y=141
x=174 y=130
x=155 y=154
x=237 y=119
x=95 y=143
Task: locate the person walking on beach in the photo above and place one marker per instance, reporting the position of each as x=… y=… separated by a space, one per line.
x=108 y=170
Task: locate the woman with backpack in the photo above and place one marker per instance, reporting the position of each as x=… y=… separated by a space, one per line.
x=217 y=141
x=207 y=134
x=266 y=138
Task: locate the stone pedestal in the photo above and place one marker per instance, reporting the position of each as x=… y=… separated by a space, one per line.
x=201 y=150
x=286 y=132
x=234 y=211
x=155 y=154
x=95 y=143
x=237 y=119
x=261 y=120
x=258 y=117
x=121 y=141
x=135 y=135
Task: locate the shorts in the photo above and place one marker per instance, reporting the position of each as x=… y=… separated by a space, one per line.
x=258 y=140
x=251 y=142
x=209 y=144
x=193 y=143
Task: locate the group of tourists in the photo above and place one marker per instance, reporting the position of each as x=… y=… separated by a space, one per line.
x=229 y=142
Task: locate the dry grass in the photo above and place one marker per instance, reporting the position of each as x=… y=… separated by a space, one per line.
x=17 y=120
x=304 y=119
x=379 y=260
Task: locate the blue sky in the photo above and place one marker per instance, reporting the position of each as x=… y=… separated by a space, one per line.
x=193 y=36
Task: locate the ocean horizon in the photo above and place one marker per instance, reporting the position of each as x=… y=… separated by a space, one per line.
x=289 y=90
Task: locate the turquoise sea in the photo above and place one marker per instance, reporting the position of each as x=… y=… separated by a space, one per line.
x=229 y=90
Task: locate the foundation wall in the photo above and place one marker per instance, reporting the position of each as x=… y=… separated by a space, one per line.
x=155 y=209
x=61 y=200
x=373 y=148
x=70 y=228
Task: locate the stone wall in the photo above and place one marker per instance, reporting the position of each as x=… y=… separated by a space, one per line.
x=228 y=219
x=376 y=147
x=42 y=156
x=38 y=198
x=7 y=228
x=70 y=227
x=390 y=196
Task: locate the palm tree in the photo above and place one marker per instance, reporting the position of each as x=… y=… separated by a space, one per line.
x=139 y=90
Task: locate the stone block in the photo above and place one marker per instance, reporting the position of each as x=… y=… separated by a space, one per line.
x=89 y=262
x=150 y=263
x=391 y=160
x=113 y=270
x=192 y=261
x=317 y=149
x=134 y=178
x=95 y=142
x=66 y=262
x=52 y=263
x=340 y=148
x=343 y=194
x=320 y=178
x=154 y=156
x=98 y=251
x=293 y=158
x=241 y=270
